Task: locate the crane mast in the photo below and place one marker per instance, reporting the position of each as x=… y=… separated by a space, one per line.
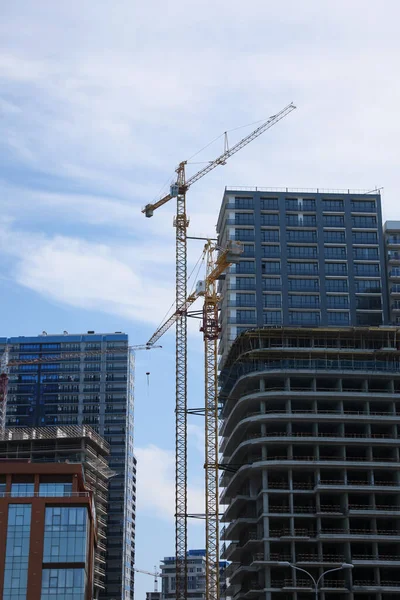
x=211 y=329
x=210 y=319
x=181 y=223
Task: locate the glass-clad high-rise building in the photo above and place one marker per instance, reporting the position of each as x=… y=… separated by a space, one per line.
x=310 y=258
x=87 y=380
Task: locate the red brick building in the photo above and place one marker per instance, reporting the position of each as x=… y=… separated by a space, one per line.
x=47 y=532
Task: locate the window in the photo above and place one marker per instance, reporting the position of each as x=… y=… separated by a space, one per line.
x=301 y=236
x=367 y=269
x=244 y=235
x=301 y=220
x=51 y=346
x=301 y=301
x=390 y=239
x=333 y=220
x=248 y=249
x=333 y=252
x=302 y=268
x=244 y=283
x=308 y=204
x=369 y=318
x=23 y=490
x=269 y=219
x=65 y=534
x=336 y=285
x=63 y=584
x=299 y=204
x=334 y=237
x=244 y=203
x=17 y=552
x=55 y=489
x=337 y=301
x=270 y=235
x=304 y=318
x=303 y=284
x=302 y=251
x=271 y=267
x=272 y=301
x=245 y=300
x=245 y=266
x=364 y=237
x=336 y=268
x=244 y=219
x=333 y=205
x=29 y=347
x=272 y=317
x=245 y=316
x=365 y=286
x=291 y=204
x=363 y=206
x=366 y=253
x=269 y=203
x=338 y=318
x=270 y=251
x=363 y=221
x=271 y=283
x=369 y=302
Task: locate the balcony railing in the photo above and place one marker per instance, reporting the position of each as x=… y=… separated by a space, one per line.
x=55 y=494
x=372 y=583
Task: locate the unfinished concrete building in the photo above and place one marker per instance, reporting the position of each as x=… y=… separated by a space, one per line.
x=310 y=448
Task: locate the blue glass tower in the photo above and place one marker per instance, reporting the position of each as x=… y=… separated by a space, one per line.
x=91 y=384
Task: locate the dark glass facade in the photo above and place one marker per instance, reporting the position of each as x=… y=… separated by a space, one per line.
x=309 y=259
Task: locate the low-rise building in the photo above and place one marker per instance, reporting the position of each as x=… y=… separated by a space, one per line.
x=48 y=532
x=42 y=451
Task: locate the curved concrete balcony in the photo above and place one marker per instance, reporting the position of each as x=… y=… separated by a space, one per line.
x=233 y=481
x=291 y=367
x=247 y=407
x=245 y=438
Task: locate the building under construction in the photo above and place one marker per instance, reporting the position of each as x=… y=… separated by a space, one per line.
x=310 y=448
x=50 y=446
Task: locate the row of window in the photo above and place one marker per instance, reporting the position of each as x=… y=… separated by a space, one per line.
x=362 y=286
x=333 y=252
x=305 y=204
x=305 y=220
x=293 y=235
x=311 y=268
x=311 y=301
x=299 y=317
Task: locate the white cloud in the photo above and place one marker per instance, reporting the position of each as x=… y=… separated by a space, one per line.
x=156 y=484
x=90 y=275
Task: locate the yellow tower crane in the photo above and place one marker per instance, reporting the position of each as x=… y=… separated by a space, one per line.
x=178 y=190
x=217 y=261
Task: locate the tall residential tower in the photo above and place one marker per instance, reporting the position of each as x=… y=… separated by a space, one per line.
x=90 y=384
x=311 y=258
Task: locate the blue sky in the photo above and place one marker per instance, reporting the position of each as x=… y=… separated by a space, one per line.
x=100 y=100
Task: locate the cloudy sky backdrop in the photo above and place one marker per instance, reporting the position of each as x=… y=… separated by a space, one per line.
x=100 y=100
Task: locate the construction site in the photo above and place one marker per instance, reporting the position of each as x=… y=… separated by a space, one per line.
x=301 y=383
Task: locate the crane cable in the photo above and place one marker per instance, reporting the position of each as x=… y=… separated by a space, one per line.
x=199 y=260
